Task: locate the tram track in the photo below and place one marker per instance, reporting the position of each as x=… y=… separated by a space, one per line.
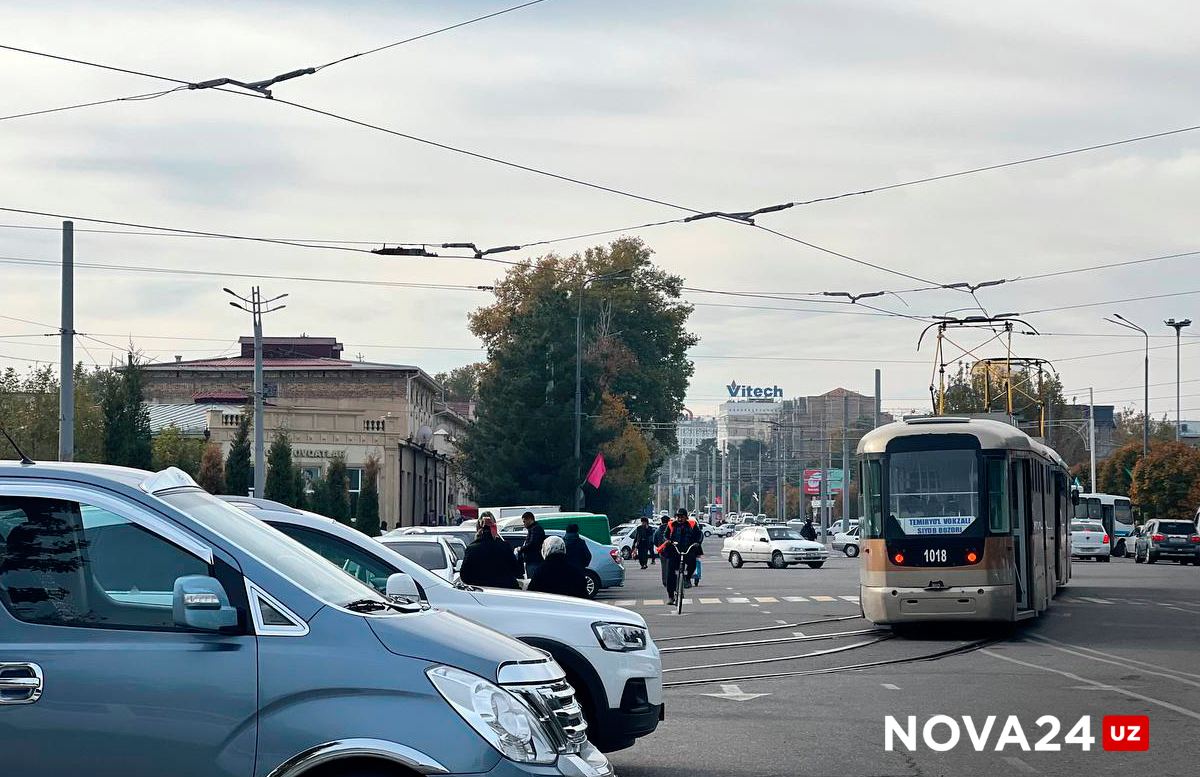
x=776 y=659
x=969 y=647
x=776 y=641
x=759 y=629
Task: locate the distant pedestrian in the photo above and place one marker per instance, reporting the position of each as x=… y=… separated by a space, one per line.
x=557 y=575
x=383 y=527
x=488 y=561
x=808 y=531
x=577 y=549
x=531 y=548
x=660 y=535
x=693 y=549
x=643 y=541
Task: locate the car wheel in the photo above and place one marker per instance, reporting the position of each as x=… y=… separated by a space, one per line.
x=1151 y=558
x=626 y=553
x=851 y=550
x=1119 y=550
x=815 y=564
x=1137 y=557
x=777 y=561
x=592 y=583
x=1104 y=558
x=735 y=560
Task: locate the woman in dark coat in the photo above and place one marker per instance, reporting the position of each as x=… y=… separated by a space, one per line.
x=489 y=561
x=556 y=574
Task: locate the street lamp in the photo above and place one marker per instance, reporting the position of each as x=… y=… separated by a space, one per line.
x=579 y=376
x=1121 y=321
x=1177 y=326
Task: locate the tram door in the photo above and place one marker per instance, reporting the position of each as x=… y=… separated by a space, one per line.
x=1019 y=488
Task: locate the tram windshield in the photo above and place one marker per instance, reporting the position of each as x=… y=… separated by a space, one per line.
x=933 y=492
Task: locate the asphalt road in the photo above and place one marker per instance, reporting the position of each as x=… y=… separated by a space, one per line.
x=1120 y=640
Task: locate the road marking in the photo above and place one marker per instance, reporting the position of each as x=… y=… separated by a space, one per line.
x=752 y=604
x=890 y=687
x=765 y=599
x=734 y=693
x=625 y=602
x=795 y=598
x=849 y=598
x=710 y=601
x=738 y=600
x=782 y=622
x=798 y=634
x=654 y=602
x=824 y=599
x=1094 y=600
x=1063 y=646
x=1017 y=762
x=1099 y=685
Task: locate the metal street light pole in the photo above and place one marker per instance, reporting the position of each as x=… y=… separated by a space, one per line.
x=1092 y=439
x=1177 y=326
x=1120 y=320
x=258 y=306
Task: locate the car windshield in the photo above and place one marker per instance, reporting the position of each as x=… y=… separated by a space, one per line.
x=1176 y=527
x=1080 y=526
x=302 y=566
x=427 y=554
x=784 y=534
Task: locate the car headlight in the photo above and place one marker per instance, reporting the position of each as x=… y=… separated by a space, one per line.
x=498 y=716
x=621 y=636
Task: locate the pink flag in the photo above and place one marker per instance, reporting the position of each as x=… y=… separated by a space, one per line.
x=596 y=473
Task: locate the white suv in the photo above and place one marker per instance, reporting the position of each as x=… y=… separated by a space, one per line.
x=606 y=652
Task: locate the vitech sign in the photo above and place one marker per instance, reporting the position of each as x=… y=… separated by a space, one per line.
x=737 y=391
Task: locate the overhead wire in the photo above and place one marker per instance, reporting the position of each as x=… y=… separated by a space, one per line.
x=93 y=103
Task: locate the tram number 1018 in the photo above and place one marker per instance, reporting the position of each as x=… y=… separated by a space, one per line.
x=936 y=556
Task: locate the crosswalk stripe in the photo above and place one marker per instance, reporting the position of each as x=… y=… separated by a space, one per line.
x=653 y=602
x=766 y=599
x=795 y=598
x=824 y=599
x=738 y=600
x=625 y=602
x=849 y=598
x=710 y=601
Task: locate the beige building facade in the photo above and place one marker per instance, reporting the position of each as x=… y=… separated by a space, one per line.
x=330 y=407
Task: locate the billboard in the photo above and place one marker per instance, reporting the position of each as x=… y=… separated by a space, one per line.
x=812 y=481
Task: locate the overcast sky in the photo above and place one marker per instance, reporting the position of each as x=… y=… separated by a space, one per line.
x=712 y=105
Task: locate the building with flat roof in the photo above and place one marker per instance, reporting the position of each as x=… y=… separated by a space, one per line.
x=329 y=406
x=693 y=430
x=753 y=419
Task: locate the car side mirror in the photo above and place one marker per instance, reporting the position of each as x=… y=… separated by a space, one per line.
x=402 y=586
x=457 y=566
x=200 y=603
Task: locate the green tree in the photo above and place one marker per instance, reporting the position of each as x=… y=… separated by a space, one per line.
x=1164 y=481
x=336 y=490
x=367 y=520
x=635 y=371
x=126 y=420
x=1115 y=474
x=239 y=474
x=461 y=384
x=300 y=487
x=212 y=470
x=171 y=449
x=281 y=478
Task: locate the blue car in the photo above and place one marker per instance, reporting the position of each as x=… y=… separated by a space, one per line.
x=148 y=628
x=605 y=571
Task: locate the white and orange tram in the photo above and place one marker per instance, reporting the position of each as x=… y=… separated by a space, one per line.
x=963 y=520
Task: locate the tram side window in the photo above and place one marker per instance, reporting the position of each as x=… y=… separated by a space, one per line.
x=872 y=499
x=997 y=478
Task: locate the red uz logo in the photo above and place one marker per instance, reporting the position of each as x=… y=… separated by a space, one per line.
x=1126 y=732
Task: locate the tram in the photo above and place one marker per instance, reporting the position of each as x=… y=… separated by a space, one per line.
x=963 y=520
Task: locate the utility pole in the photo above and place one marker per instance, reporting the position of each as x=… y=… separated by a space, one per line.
x=1092 y=439
x=712 y=477
x=66 y=342
x=257 y=307
x=845 y=461
x=697 y=483
x=737 y=488
x=878 y=399
x=1121 y=321
x=758 y=508
x=1177 y=326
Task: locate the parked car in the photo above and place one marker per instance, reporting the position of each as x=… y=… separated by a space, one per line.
x=847 y=542
x=605 y=571
x=230 y=649
x=433 y=552
x=465 y=536
x=1089 y=540
x=1178 y=540
x=619 y=684
x=622 y=538
x=776 y=546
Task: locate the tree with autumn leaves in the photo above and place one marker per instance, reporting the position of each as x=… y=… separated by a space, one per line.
x=635 y=375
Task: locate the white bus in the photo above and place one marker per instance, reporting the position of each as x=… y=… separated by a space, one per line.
x=1114 y=512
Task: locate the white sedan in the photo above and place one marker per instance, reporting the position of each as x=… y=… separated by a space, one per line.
x=1089 y=540
x=440 y=555
x=776 y=546
x=847 y=542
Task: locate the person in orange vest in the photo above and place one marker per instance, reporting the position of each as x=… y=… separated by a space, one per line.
x=676 y=537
